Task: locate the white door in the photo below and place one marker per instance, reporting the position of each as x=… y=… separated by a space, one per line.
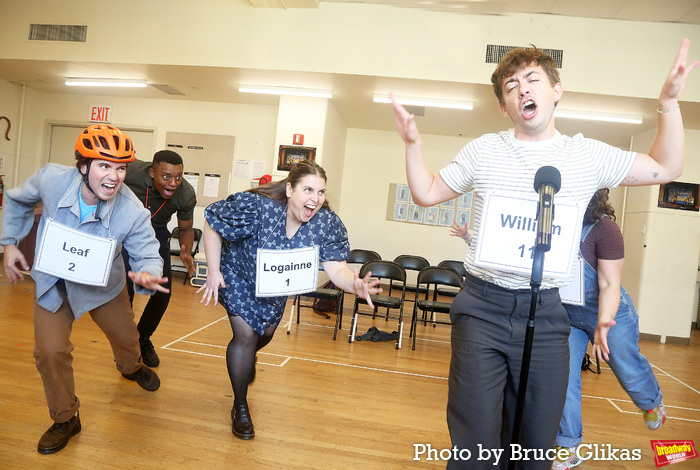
x=63 y=137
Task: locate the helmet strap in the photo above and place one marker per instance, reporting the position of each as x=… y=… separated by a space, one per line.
x=86 y=176
x=87 y=185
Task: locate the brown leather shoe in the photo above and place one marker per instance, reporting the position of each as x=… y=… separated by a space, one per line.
x=146 y=378
x=58 y=435
x=242 y=423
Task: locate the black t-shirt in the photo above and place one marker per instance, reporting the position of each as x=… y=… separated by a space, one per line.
x=140 y=182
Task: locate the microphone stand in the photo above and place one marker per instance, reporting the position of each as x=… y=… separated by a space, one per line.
x=535 y=281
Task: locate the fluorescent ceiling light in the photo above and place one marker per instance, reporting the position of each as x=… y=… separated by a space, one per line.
x=109 y=82
x=430 y=102
x=287 y=91
x=597 y=116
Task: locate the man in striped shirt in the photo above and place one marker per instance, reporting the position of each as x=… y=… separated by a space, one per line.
x=490 y=313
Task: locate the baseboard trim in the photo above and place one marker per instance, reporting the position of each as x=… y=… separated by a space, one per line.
x=677 y=340
x=650 y=337
x=669 y=339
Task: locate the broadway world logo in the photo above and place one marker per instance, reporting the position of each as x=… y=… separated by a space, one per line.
x=668 y=452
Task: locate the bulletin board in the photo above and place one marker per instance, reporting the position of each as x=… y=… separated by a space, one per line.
x=401 y=208
x=208 y=160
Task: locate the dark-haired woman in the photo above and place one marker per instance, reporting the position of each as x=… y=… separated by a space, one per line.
x=262 y=223
x=610 y=322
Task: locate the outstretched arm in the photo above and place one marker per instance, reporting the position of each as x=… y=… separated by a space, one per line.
x=15 y=263
x=342 y=277
x=427 y=189
x=665 y=160
x=462 y=232
x=609 y=275
x=185 y=227
x=149 y=281
x=212 y=250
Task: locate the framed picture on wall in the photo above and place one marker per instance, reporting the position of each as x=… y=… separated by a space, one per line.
x=415 y=214
x=403 y=194
x=431 y=214
x=290 y=155
x=446 y=217
x=464 y=201
x=683 y=196
x=401 y=211
x=463 y=217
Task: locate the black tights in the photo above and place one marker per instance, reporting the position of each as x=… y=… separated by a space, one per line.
x=240 y=355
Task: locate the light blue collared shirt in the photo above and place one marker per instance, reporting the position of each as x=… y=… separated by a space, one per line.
x=122 y=218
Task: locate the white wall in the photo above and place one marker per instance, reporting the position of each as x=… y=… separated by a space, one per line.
x=662 y=247
x=350 y=38
x=253 y=126
x=374 y=160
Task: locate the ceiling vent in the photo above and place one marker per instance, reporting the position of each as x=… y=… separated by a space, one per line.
x=57 y=32
x=495 y=53
x=167 y=89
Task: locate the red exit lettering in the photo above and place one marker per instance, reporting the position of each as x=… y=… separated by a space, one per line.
x=100 y=113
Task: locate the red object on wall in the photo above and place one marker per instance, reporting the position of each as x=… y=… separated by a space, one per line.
x=298 y=139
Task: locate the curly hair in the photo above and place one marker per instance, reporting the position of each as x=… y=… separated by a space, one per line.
x=598 y=207
x=277 y=190
x=518 y=58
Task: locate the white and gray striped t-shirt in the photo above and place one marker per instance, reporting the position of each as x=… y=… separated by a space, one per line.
x=499 y=162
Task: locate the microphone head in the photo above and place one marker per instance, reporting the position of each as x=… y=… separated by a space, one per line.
x=548 y=175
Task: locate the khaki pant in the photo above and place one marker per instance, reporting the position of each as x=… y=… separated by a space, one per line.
x=53 y=349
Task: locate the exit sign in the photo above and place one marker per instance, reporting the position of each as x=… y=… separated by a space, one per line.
x=100 y=113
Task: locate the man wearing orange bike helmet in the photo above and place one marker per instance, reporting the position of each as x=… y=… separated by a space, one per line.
x=87 y=216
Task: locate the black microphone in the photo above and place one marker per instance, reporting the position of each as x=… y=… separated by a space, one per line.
x=547 y=183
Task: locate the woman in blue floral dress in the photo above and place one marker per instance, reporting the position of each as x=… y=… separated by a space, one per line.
x=285 y=215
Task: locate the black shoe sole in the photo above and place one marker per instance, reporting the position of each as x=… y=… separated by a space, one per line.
x=53 y=450
x=245 y=437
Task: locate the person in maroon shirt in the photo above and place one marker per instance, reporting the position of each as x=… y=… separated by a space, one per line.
x=610 y=322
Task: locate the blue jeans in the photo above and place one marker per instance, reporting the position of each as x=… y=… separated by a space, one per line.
x=630 y=367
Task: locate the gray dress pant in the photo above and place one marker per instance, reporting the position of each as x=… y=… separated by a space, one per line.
x=488 y=334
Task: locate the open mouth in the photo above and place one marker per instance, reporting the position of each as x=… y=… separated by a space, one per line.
x=529 y=108
x=109 y=188
x=168 y=193
x=309 y=209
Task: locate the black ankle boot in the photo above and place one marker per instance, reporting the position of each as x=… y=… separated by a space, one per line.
x=242 y=422
x=148 y=353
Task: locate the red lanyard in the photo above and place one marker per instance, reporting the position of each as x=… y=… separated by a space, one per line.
x=146 y=205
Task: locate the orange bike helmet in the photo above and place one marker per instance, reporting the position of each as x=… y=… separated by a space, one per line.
x=104 y=142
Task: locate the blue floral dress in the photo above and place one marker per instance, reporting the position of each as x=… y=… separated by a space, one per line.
x=248 y=221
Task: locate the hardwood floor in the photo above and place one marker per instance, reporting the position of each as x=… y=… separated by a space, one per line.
x=316 y=403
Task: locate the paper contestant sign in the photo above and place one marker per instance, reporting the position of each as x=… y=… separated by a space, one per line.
x=286 y=272
x=74 y=255
x=509 y=228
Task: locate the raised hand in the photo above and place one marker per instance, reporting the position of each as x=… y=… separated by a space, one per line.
x=405 y=123
x=678 y=75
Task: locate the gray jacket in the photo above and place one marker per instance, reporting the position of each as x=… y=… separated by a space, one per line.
x=122 y=218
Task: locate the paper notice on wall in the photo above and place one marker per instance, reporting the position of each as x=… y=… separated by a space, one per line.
x=241 y=169
x=211 y=185
x=193 y=179
x=258 y=168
